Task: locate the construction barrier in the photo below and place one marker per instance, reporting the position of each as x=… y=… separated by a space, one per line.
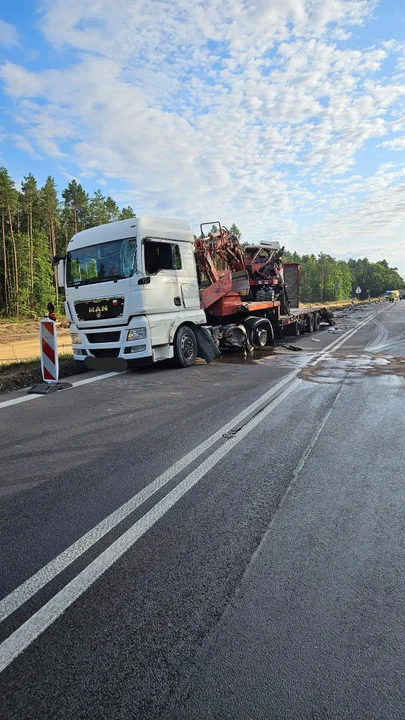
x=49 y=360
x=49 y=351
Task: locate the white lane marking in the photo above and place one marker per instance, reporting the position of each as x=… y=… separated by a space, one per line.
x=37 y=581
x=27 y=589
x=341 y=340
x=53 y=609
x=86 y=381
x=16 y=401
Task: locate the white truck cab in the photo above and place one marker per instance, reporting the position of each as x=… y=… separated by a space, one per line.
x=131 y=286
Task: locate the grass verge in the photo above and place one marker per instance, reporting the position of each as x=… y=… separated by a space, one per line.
x=15 y=376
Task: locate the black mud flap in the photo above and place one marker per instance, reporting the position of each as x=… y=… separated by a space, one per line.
x=106 y=364
x=206 y=346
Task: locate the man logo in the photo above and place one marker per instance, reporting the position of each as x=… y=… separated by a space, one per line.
x=98 y=310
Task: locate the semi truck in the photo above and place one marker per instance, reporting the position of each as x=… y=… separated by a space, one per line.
x=142 y=290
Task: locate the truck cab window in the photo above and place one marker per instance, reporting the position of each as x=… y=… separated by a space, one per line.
x=161 y=256
x=176 y=257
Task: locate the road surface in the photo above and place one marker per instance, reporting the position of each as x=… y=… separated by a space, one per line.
x=221 y=542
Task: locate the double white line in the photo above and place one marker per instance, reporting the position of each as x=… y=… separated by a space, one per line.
x=19 y=640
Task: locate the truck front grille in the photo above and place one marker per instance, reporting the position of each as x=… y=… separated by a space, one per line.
x=106 y=352
x=103 y=337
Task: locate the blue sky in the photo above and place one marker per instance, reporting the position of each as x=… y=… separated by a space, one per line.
x=284 y=116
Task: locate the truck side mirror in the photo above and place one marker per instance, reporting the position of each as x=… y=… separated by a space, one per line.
x=61 y=274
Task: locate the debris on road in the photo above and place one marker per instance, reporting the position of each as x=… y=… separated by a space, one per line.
x=326 y=316
x=291 y=347
x=315 y=340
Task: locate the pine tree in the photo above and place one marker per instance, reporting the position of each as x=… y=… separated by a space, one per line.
x=50 y=221
x=8 y=209
x=127 y=213
x=112 y=209
x=76 y=209
x=98 y=214
x=43 y=285
x=234 y=230
x=29 y=201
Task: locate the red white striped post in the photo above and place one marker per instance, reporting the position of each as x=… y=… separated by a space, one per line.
x=49 y=351
x=49 y=360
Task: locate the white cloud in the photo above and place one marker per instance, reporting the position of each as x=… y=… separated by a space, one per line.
x=20 y=83
x=227 y=109
x=22 y=143
x=8 y=34
x=396 y=144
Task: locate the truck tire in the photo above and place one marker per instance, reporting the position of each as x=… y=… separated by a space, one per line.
x=293 y=328
x=185 y=347
x=310 y=323
x=317 y=321
x=260 y=331
x=270 y=335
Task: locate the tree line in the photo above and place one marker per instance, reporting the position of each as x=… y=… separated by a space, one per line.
x=323 y=278
x=37 y=223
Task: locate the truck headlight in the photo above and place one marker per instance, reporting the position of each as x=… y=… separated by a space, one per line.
x=76 y=339
x=136 y=334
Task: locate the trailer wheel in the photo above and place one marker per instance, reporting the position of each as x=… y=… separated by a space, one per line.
x=260 y=331
x=310 y=323
x=293 y=328
x=270 y=335
x=317 y=321
x=185 y=347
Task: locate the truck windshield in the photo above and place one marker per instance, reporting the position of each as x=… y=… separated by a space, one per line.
x=112 y=260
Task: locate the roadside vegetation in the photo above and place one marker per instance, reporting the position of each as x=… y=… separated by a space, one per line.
x=37 y=223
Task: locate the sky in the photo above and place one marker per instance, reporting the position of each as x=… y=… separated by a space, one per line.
x=283 y=116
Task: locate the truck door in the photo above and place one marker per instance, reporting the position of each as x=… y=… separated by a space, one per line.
x=162 y=292
x=187 y=274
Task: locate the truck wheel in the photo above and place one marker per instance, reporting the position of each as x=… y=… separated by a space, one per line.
x=270 y=335
x=310 y=323
x=185 y=347
x=293 y=328
x=260 y=331
x=317 y=321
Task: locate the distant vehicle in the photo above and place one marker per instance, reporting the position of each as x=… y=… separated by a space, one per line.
x=402 y=294
x=392 y=295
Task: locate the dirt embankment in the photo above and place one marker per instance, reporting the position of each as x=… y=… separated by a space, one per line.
x=19 y=340
x=19 y=353
x=20 y=330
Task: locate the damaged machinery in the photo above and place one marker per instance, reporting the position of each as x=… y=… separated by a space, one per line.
x=145 y=289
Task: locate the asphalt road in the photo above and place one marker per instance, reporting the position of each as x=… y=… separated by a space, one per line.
x=221 y=542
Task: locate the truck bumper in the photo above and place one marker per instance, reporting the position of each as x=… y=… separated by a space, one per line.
x=113 y=344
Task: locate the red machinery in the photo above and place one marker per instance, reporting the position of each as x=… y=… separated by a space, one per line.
x=222 y=290
x=247 y=304
x=263 y=263
x=255 y=272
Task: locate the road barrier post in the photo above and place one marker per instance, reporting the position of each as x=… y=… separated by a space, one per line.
x=49 y=360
